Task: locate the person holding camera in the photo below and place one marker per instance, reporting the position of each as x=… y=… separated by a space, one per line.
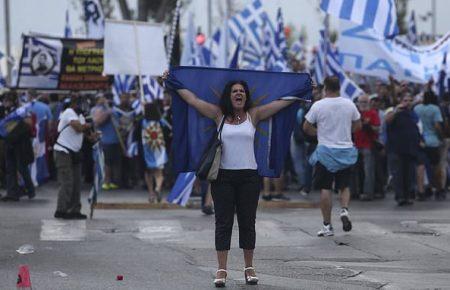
x=71 y=129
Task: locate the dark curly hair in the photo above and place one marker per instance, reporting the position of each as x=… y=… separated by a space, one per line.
x=225 y=99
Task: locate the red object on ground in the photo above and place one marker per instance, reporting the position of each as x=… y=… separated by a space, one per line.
x=119 y=278
x=23 y=279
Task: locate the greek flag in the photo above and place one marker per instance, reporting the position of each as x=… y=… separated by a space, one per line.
x=182 y=188
x=412 y=30
x=99 y=163
x=152 y=89
x=280 y=36
x=380 y=15
x=274 y=60
x=18 y=114
x=297 y=48
x=95 y=20
x=67 y=28
x=251 y=22
x=331 y=66
x=39 y=168
x=234 y=63
x=122 y=84
x=443 y=84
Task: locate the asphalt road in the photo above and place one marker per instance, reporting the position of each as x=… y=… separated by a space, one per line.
x=389 y=248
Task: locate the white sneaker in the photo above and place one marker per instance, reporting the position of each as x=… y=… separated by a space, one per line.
x=345 y=218
x=326 y=231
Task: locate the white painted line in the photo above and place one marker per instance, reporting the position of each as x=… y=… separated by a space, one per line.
x=159 y=230
x=58 y=230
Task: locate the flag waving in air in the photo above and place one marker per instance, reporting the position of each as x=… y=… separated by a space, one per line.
x=379 y=15
x=192 y=131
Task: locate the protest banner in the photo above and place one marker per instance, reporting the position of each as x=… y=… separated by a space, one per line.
x=363 y=53
x=62 y=64
x=134 y=48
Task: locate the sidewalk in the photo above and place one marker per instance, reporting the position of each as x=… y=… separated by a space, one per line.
x=137 y=199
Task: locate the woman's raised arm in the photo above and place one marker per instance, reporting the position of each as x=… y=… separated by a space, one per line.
x=268 y=110
x=206 y=109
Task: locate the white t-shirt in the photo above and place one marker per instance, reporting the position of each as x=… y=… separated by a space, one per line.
x=68 y=137
x=334 y=117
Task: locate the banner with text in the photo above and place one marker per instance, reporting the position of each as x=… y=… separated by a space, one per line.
x=361 y=52
x=62 y=64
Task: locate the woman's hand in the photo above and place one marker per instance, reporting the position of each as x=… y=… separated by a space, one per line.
x=165 y=75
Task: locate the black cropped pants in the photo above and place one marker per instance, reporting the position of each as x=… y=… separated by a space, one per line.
x=236 y=191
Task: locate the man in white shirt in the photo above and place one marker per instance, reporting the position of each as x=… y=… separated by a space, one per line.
x=71 y=129
x=333 y=119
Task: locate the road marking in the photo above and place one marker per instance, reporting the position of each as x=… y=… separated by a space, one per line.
x=58 y=230
x=159 y=230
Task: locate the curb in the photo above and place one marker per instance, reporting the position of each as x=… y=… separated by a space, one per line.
x=170 y=206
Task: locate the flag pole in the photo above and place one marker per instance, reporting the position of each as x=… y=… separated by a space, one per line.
x=7 y=41
x=326 y=43
x=173 y=31
x=138 y=59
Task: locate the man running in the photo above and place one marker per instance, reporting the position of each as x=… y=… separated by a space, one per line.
x=333 y=119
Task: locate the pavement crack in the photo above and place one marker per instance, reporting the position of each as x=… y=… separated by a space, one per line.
x=382 y=285
x=354 y=275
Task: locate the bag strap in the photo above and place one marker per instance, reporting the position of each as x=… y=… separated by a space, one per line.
x=59 y=132
x=220 y=128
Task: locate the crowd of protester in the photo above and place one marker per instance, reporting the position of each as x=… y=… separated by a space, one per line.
x=403 y=144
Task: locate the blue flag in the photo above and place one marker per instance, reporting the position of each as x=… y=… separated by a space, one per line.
x=182 y=189
x=192 y=131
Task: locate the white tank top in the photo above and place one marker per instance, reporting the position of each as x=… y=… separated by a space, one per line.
x=238 y=146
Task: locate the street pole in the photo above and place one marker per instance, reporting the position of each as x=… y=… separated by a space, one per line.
x=227 y=15
x=433 y=19
x=209 y=18
x=7 y=42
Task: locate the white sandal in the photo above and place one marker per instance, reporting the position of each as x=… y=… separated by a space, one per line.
x=250 y=280
x=220 y=282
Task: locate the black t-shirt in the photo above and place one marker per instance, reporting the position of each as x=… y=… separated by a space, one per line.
x=403 y=135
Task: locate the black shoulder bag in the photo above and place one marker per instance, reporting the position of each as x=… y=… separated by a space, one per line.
x=210 y=161
x=74 y=156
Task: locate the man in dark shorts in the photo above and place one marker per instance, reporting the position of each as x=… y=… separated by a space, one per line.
x=333 y=119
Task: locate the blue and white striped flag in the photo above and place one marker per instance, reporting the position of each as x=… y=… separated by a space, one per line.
x=274 y=60
x=18 y=114
x=39 y=168
x=412 y=30
x=182 y=189
x=251 y=22
x=280 y=36
x=67 y=28
x=122 y=84
x=152 y=89
x=94 y=17
x=380 y=15
x=297 y=48
x=330 y=66
x=99 y=165
x=234 y=62
x=443 y=83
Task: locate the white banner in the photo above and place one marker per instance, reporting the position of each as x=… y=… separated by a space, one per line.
x=134 y=48
x=361 y=52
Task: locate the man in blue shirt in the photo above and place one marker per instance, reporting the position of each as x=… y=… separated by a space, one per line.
x=102 y=114
x=431 y=117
